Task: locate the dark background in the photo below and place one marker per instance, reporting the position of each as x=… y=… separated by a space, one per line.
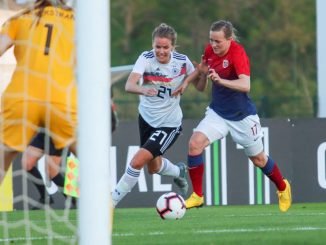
x=293 y=144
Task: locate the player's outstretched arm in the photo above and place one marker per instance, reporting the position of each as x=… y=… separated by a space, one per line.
x=201 y=82
x=202 y=68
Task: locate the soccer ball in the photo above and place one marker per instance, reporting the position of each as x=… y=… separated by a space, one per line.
x=171 y=206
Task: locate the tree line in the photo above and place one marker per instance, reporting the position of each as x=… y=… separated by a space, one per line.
x=278 y=35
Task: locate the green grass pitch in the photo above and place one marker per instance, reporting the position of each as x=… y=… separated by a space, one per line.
x=304 y=223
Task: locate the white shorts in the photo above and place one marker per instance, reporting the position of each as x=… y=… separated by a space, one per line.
x=246 y=132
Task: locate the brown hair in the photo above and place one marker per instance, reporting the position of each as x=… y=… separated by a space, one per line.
x=226 y=27
x=164 y=30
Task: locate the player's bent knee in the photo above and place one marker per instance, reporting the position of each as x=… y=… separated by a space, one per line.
x=255 y=149
x=259 y=160
x=195 y=147
x=28 y=163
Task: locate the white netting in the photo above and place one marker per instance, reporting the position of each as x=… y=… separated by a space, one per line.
x=19 y=224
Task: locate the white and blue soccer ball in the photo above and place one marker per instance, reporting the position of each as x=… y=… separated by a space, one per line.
x=171 y=206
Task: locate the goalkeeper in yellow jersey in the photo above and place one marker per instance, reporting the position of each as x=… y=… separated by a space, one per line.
x=42 y=145
x=42 y=91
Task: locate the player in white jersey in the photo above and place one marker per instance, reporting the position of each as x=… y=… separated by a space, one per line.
x=162 y=110
x=155 y=77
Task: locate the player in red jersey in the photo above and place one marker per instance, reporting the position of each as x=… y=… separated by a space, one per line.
x=226 y=64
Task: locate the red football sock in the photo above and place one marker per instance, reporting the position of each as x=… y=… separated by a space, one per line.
x=196 y=176
x=277 y=178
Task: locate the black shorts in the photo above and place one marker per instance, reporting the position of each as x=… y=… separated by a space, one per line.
x=157 y=140
x=39 y=142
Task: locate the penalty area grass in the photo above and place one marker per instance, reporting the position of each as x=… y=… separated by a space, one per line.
x=304 y=223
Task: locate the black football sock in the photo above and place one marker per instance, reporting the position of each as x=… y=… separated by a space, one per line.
x=37 y=181
x=59 y=180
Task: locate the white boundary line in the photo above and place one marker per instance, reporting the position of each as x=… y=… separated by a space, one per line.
x=35 y=238
x=293 y=229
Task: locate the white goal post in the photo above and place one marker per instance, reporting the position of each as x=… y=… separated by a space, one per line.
x=93 y=67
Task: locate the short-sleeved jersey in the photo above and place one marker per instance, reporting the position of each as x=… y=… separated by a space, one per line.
x=45 y=55
x=42 y=91
x=162 y=110
x=228 y=103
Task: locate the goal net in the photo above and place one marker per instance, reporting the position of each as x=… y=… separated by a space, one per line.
x=27 y=217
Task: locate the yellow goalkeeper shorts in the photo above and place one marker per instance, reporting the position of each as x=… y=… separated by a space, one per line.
x=20 y=120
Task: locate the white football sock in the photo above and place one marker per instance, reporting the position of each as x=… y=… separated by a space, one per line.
x=168 y=168
x=125 y=184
